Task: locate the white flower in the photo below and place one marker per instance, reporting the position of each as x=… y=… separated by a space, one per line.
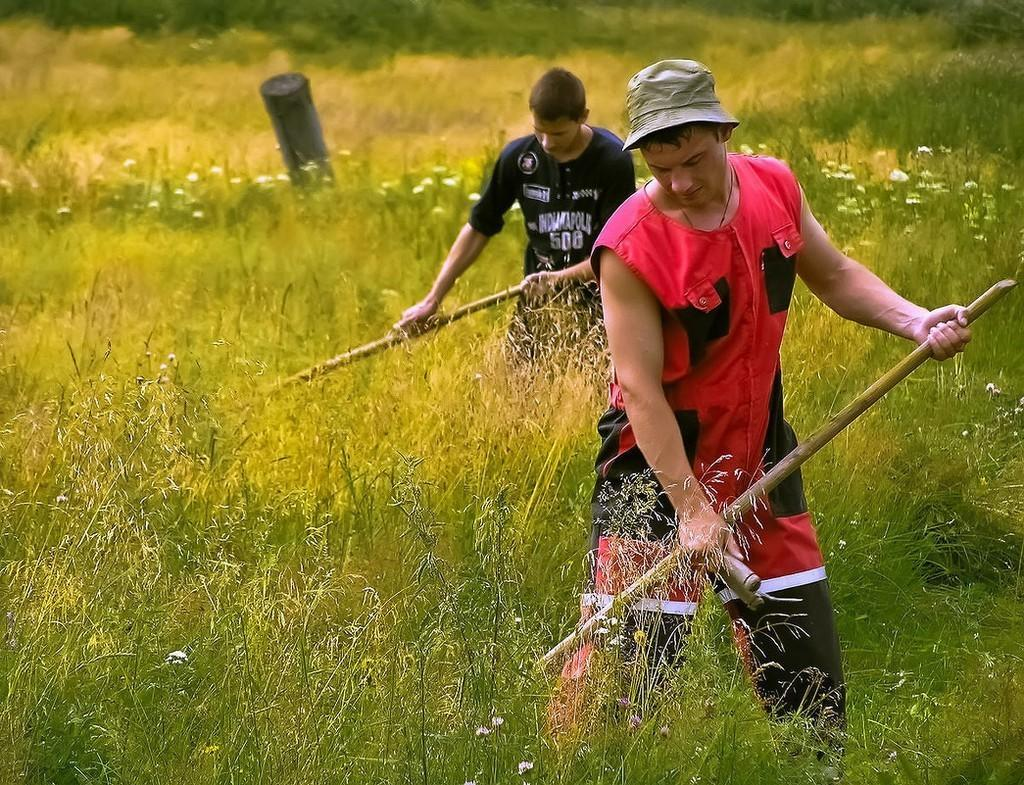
x=497 y=721
x=965 y=433
x=1008 y=186
x=154 y=204
x=992 y=390
x=842 y=543
x=470 y=782
x=970 y=185
x=216 y=170
x=176 y=658
x=171 y=357
x=284 y=178
x=924 y=150
x=263 y=178
x=163 y=366
x=129 y=163
x=417 y=189
x=63 y=211
x=474 y=197
x=179 y=191
x=62 y=498
x=192 y=177
x=428 y=180
x=912 y=200
x=483 y=730
x=525 y=766
x=197 y=213
x=451 y=182
x=898 y=176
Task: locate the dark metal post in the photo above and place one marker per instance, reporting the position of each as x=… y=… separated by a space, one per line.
x=289 y=103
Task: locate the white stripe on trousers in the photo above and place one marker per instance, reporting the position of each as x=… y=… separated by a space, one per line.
x=677 y=608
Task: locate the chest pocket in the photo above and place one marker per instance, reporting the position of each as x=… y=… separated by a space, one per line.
x=705 y=317
x=778 y=265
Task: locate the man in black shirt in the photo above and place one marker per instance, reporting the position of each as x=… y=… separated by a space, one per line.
x=568 y=178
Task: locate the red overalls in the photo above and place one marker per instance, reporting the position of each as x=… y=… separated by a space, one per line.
x=724 y=296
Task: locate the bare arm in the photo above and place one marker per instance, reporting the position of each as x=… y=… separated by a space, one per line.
x=464 y=251
x=538 y=285
x=633 y=321
x=856 y=293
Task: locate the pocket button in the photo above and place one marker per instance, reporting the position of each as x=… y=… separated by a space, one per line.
x=703 y=302
x=787 y=245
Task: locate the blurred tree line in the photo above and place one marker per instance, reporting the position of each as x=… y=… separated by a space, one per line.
x=447 y=24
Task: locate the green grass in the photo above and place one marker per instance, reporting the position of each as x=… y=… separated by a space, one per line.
x=362 y=572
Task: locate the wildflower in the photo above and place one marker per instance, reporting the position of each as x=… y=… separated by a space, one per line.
x=470 y=782
x=263 y=178
x=235 y=180
x=438 y=210
x=635 y=721
x=176 y=658
x=216 y=170
x=163 y=366
x=483 y=730
x=497 y=721
x=640 y=637
x=474 y=197
x=898 y=176
x=154 y=204
x=842 y=544
x=129 y=163
x=451 y=182
x=64 y=211
x=197 y=214
x=525 y=766
x=912 y=200
x=924 y=150
x=624 y=702
x=428 y=180
x=179 y=191
x=171 y=357
x=192 y=177
x=417 y=189
x=970 y=185
x=965 y=433
x=992 y=390
x=1008 y=186
x=664 y=731
x=284 y=178
x=61 y=498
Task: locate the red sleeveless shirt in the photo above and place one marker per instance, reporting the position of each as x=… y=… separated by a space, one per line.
x=725 y=296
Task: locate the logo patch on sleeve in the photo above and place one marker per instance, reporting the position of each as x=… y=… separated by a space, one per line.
x=539 y=193
x=528 y=163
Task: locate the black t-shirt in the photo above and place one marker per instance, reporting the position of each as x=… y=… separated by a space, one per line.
x=564 y=204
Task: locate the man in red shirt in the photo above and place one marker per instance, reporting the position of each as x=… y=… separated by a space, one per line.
x=697 y=270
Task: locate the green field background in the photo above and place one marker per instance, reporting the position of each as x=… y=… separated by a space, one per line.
x=362 y=572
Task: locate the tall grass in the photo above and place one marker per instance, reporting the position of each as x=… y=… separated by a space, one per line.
x=205 y=578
